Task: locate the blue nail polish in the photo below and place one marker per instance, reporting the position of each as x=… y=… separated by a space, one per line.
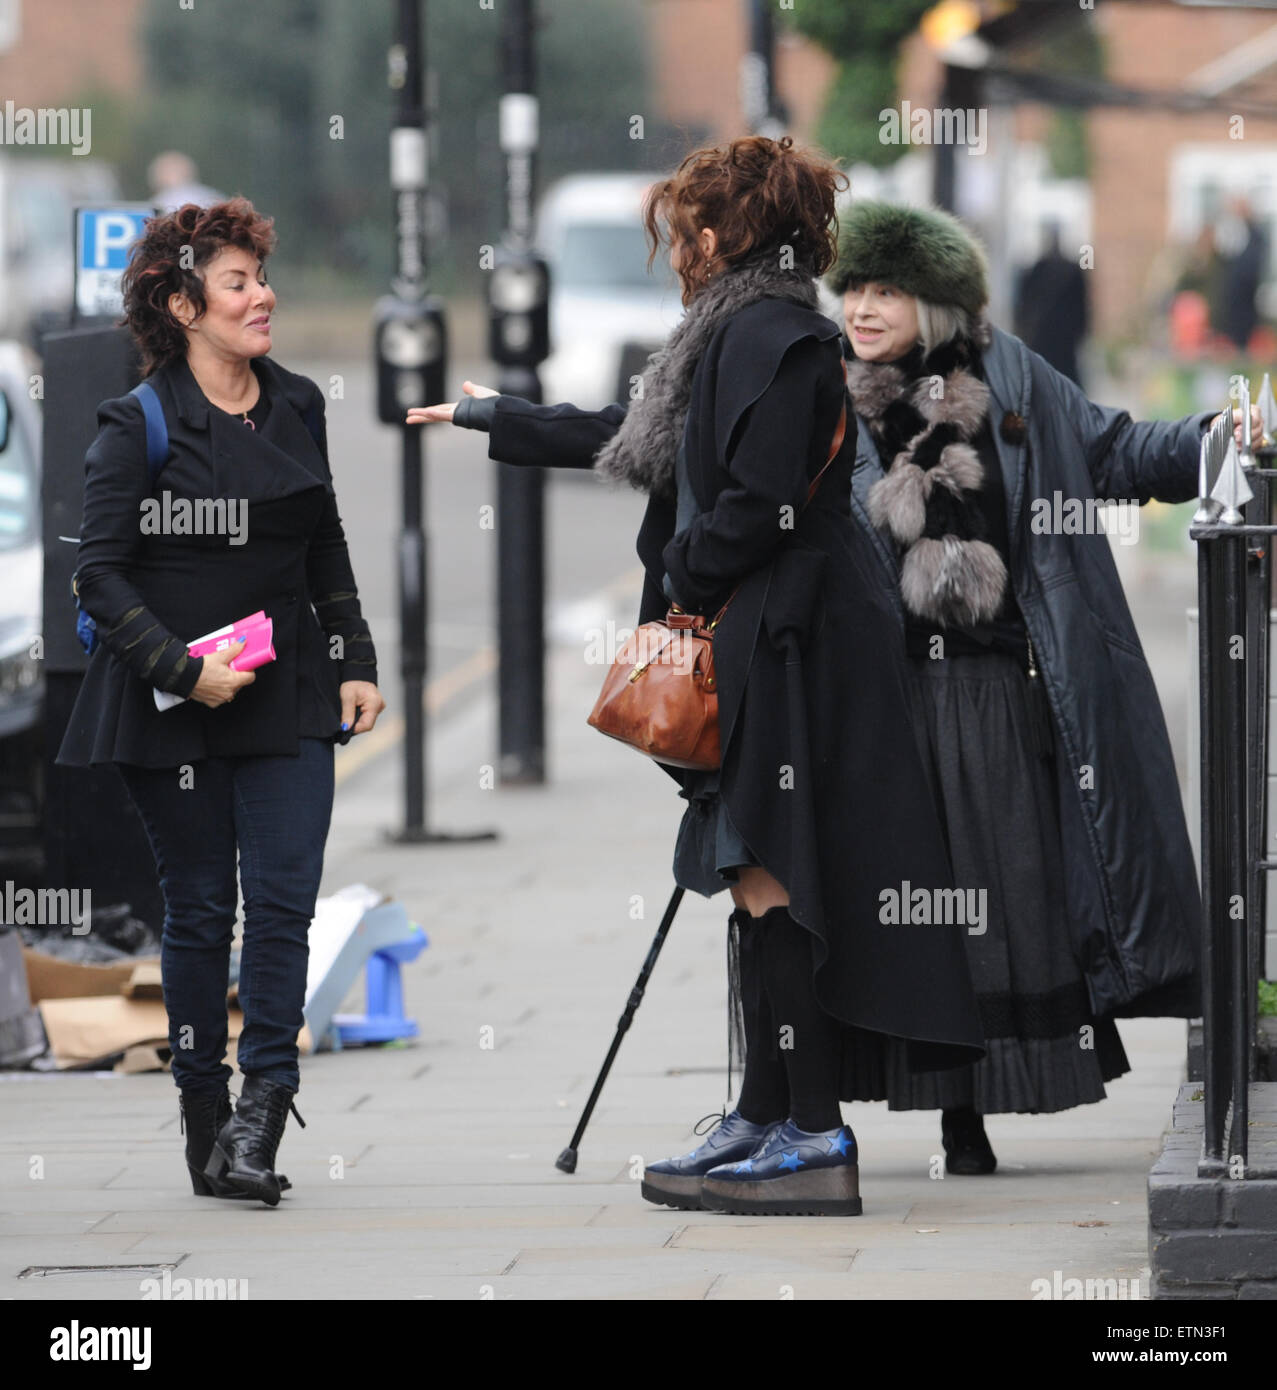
x=344 y=727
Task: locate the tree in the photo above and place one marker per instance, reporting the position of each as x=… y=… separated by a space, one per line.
x=252 y=91
x=864 y=36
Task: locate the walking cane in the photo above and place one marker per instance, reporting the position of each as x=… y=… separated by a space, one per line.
x=566 y=1161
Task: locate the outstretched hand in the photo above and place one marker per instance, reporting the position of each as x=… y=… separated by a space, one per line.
x=432 y=414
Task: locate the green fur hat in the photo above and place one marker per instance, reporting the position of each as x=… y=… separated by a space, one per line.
x=922 y=251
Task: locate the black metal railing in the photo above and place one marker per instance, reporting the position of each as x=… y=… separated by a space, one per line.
x=1233 y=528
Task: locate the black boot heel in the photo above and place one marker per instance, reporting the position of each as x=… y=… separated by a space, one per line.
x=202 y=1186
x=218 y=1162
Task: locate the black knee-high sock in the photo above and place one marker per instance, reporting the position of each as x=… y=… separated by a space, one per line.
x=809 y=1038
x=764 y=1089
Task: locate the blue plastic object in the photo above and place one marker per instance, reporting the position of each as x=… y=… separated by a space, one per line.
x=384 y=1019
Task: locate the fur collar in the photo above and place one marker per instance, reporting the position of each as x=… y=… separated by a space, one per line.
x=924 y=413
x=644 y=449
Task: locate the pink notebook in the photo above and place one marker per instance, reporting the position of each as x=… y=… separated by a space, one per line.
x=257 y=628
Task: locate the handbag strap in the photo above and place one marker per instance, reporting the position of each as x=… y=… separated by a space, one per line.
x=840 y=433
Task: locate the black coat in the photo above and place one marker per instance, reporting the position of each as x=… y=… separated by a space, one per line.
x=152 y=594
x=1131 y=889
x=1053 y=314
x=821 y=773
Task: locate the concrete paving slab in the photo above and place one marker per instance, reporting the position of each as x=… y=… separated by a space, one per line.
x=446 y=1145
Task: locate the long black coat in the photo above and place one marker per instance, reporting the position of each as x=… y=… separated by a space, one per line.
x=821 y=773
x=152 y=594
x=1131 y=891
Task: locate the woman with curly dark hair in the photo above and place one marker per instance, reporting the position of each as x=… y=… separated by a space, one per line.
x=224 y=765
x=821 y=804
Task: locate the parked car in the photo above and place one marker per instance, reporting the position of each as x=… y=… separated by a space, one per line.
x=608 y=312
x=21 y=585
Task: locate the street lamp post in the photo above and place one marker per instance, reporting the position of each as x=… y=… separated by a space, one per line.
x=411 y=348
x=764 y=113
x=518 y=300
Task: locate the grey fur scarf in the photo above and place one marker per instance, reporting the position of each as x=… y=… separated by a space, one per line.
x=644 y=449
x=924 y=415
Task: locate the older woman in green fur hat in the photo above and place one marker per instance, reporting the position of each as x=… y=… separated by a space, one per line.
x=978 y=472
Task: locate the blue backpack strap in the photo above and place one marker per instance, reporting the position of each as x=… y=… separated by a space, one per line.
x=156 y=429
x=156 y=458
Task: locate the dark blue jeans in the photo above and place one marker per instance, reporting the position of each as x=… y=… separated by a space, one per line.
x=273 y=813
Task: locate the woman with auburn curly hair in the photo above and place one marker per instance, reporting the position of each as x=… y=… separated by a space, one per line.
x=242 y=768
x=821 y=803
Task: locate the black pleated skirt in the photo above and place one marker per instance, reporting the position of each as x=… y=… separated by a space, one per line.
x=997 y=799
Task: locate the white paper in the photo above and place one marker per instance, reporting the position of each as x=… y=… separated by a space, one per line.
x=165 y=699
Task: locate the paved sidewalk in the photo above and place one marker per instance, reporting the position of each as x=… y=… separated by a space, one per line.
x=427 y=1171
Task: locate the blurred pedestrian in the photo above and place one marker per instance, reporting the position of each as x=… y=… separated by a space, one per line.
x=244 y=769
x=1053 y=307
x=1243 y=249
x=1036 y=710
x=821 y=803
x=174 y=180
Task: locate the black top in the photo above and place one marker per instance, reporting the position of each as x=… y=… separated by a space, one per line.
x=261 y=410
x=257 y=414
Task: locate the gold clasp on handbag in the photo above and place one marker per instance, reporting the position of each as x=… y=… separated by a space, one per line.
x=638 y=671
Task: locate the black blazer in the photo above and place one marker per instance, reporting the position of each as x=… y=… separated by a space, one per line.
x=151 y=594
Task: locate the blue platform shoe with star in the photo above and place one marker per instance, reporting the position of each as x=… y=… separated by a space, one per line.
x=791 y=1173
x=676 y=1182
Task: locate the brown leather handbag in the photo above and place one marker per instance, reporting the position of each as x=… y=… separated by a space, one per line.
x=660 y=695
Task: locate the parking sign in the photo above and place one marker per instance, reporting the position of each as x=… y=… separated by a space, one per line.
x=103 y=240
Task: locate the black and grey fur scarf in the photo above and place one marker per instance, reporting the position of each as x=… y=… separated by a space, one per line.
x=924 y=413
x=643 y=451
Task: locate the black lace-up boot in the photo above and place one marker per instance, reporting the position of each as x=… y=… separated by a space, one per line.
x=202 y=1114
x=243 y=1153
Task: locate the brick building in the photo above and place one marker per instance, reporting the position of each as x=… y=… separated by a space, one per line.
x=66 y=47
x=1156 y=175
x=695 y=48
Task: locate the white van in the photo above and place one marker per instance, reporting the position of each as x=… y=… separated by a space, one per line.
x=607 y=311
